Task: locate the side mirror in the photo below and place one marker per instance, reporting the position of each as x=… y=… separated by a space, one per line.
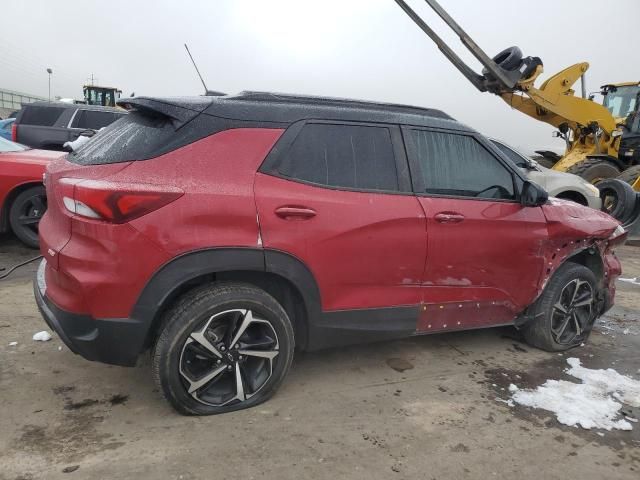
x=532 y=195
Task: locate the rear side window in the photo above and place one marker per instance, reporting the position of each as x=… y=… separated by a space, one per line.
x=343 y=156
x=93 y=119
x=132 y=137
x=43 y=116
x=458 y=165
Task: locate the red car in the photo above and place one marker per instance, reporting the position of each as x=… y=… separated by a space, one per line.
x=22 y=196
x=223 y=232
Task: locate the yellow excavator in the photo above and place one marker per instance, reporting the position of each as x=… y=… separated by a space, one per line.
x=602 y=140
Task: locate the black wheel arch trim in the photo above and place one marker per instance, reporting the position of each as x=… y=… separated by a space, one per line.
x=187 y=267
x=322 y=329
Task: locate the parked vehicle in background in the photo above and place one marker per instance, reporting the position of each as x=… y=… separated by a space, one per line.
x=22 y=195
x=558 y=184
x=48 y=125
x=5 y=128
x=223 y=232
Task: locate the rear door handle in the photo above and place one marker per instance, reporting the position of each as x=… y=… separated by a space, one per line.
x=295 y=213
x=449 y=217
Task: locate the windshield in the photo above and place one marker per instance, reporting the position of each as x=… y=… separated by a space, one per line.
x=515 y=157
x=9 y=146
x=621 y=101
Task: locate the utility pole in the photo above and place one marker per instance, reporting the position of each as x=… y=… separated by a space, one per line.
x=49 y=71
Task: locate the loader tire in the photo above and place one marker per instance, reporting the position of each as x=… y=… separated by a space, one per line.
x=594 y=170
x=618 y=199
x=630 y=175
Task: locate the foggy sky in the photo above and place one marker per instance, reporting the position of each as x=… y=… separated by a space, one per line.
x=365 y=49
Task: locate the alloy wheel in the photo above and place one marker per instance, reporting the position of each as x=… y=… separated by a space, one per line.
x=572 y=314
x=31 y=212
x=229 y=358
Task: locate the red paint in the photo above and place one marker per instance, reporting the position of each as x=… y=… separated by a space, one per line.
x=365 y=250
x=465 y=263
x=22 y=168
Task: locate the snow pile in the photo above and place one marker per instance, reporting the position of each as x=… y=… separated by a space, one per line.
x=635 y=280
x=13 y=344
x=594 y=403
x=77 y=143
x=42 y=336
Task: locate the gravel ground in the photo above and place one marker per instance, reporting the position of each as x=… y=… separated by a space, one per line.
x=426 y=407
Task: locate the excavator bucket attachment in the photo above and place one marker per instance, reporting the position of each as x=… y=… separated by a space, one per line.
x=497 y=78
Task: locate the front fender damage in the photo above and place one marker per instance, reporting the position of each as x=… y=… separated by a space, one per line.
x=582 y=235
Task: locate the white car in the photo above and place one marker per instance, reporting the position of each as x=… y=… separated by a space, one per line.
x=557 y=184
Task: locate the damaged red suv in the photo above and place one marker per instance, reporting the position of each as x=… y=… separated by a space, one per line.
x=222 y=233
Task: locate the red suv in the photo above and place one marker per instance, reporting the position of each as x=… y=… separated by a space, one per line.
x=224 y=232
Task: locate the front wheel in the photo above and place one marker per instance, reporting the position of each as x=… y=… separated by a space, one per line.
x=25 y=213
x=222 y=348
x=565 y=312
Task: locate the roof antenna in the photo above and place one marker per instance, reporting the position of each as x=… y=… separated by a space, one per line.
x=207 y=92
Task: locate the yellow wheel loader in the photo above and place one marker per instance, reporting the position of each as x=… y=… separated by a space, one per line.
x=602 y=140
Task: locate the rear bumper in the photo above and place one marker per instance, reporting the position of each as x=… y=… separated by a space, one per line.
x=113 y=341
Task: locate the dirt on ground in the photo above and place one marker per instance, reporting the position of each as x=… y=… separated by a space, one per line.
x=427 y=407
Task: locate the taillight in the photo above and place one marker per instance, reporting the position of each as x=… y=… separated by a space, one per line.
x=14 y=132
x=114 y=202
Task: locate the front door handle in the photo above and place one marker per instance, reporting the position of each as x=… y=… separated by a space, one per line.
x=295 y=213
x=449 y=217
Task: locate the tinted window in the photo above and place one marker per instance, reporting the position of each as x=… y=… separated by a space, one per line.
x=348 y=156
x=459 y=165
x=93 y=119
x=130 y=138
x=511 y=154
x=44 y=116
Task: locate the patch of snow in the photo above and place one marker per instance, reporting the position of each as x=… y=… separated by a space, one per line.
x=594 y=403
x=513 y=388
x=13 y=344
x=42 y=336
x=635 y=280
x=77 y=143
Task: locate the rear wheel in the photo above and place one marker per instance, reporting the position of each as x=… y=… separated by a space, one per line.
x=594 y=170
x=25 y=213
x=565 y=312
x=222 y=348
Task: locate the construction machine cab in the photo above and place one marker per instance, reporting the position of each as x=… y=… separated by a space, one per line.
x=101 y=96
x=622 y=100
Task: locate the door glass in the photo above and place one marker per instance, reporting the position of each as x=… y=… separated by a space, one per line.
x=458 y=165
x=349 y=156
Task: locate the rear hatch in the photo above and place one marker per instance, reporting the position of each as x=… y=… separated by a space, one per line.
x=153 y=127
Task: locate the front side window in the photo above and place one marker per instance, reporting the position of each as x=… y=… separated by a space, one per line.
x=343 y=156
x=458 y=165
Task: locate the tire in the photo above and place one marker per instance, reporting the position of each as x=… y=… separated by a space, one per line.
x=538 y=332
x=213 y=315
x=594 y=170
x=25 y=214
x=618 y=199
x=509 y=58
x=630 y=175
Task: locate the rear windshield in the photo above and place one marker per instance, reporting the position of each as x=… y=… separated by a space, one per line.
x=43 y=116
x=132 y=137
